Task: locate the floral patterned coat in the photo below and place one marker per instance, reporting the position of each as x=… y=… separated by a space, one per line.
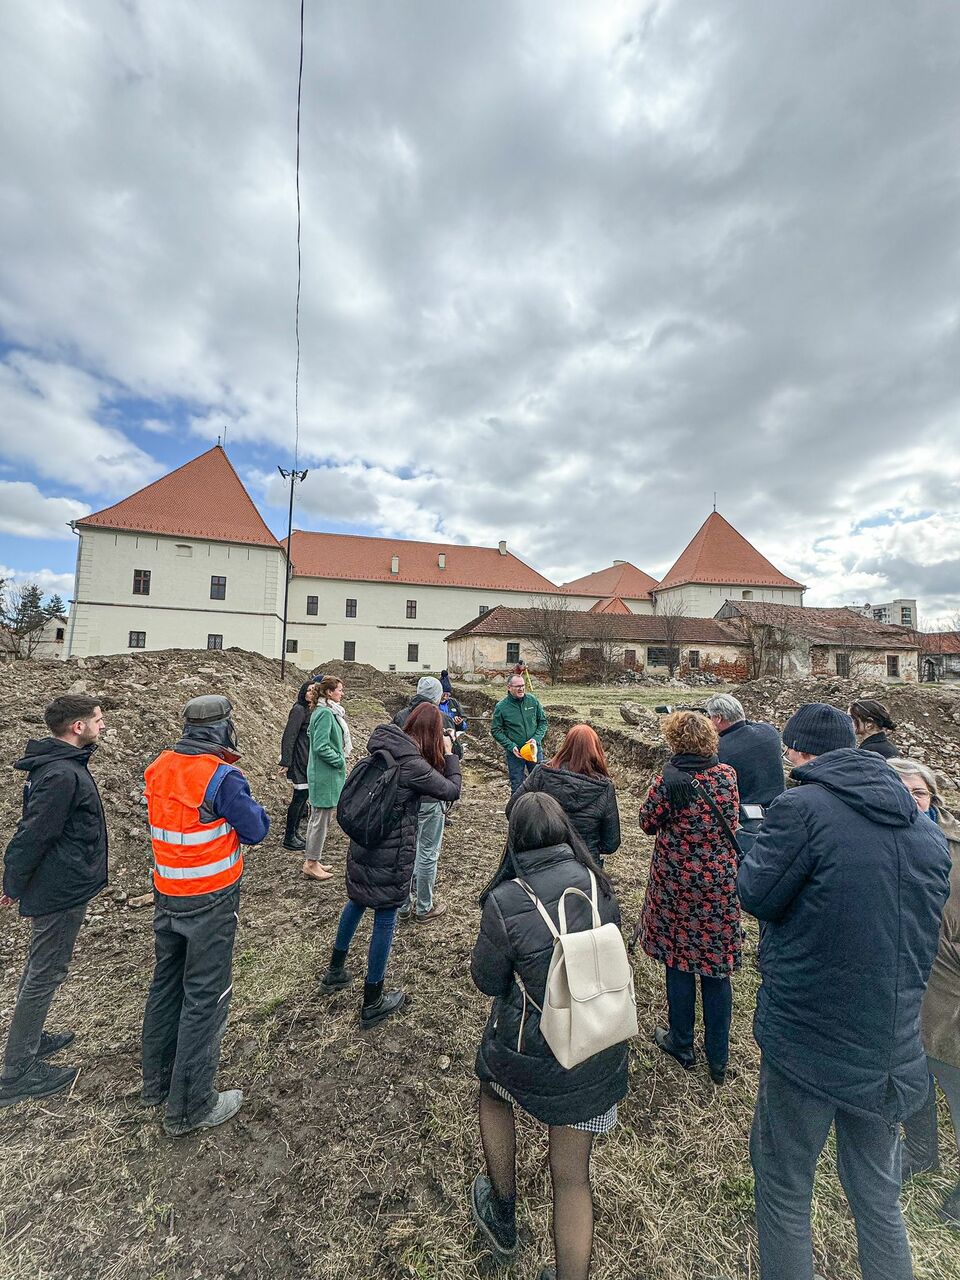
x=691 y=912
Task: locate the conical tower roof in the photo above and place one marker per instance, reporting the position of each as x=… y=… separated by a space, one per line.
x=717 y=553
x=204 y=498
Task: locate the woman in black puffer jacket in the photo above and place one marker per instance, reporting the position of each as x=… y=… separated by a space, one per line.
x=379 y=877
x=578 y=779
x=514 y=1063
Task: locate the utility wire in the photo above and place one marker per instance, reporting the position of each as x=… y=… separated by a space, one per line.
x=296 y=380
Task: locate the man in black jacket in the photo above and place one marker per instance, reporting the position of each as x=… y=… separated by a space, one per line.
x=754 y=751
x=55 y=863
x=851 y=881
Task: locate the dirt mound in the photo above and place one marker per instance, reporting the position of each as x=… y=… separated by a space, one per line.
x=927 y=716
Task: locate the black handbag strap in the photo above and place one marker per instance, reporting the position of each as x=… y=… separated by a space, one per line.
x=704 y=794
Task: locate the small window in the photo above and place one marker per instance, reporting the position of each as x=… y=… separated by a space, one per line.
x=292 y=646
x=349 y=650
x=218 y=587
x=214 y=642
x=141 y=582
x=843 y=665
x=513 y=653
x=392 y=666
x=184 y=549
x=893 y=664
x=630 y=659
x=658 y=656
x=60 y=633
x=693 y=659
x=906 y=616
x=746 y=595
x=411 y=608
x=413 y=653
x=313 y=606
x=137 y=640
x=484 y=608
x=351 y=609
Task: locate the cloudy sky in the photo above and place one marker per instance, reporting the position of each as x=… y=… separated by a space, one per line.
x=568 y=269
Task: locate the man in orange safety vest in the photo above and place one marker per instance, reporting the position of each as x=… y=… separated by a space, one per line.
x=201 y=813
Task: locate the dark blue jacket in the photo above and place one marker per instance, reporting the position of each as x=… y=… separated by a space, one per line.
x=851 y=879
x=755 y=751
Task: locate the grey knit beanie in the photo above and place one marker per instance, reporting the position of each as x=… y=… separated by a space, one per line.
x=430 y=687
x=817 y=728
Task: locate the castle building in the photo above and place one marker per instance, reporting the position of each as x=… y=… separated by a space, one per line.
x=188 y=562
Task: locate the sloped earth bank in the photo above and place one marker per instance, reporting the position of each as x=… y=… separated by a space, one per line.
x=353 y=1153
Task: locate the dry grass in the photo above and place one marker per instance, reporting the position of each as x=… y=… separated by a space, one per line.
x=353 y=1153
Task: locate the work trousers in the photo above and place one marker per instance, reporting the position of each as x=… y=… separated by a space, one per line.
x=517 y=769
x=429 y=840
x=318 y=827
x=717 y=997
x=790 y=1128
x=187 y=1006
x=48 y=962
x=295 y=812
x=920 y=1130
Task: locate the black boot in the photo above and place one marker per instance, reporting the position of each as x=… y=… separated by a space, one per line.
x=377 y=1005
x=664 y=1041
x=496 y=1219
x=336 y=977
x=292 y=839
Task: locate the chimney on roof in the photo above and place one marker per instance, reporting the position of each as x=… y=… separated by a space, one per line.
x=394 y=564
x=619 y=562
x=442 y=560
x=503 y=547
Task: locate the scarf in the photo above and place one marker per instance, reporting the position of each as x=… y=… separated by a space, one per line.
x=339 y=712
x=677 y=775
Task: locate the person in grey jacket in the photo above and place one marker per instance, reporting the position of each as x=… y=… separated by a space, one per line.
x=55 y=863
x=850 y=880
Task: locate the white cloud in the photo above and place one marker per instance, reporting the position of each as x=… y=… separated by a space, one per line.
x=50 y=582
x=25 y=512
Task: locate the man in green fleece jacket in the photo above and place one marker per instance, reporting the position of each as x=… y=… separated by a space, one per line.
x=516 y=719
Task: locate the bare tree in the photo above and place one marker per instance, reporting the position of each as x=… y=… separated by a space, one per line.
x=22 y=618
x=606 y=654
x=551 y=633
x=672 y=612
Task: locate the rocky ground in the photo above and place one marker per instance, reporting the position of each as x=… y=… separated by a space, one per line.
x=353 y=1153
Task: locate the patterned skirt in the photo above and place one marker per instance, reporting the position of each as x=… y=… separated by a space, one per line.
x=596 y=1124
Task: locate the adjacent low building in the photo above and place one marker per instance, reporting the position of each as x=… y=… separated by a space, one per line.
x=494 y=642
x=940 y=655
x=786 y=640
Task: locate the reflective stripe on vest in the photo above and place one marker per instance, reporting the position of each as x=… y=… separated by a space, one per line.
x=191 y=857
x=197 y=873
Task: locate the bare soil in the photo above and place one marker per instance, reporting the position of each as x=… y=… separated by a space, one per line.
x=353 y=1152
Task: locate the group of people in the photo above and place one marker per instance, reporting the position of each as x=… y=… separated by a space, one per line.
x=852 y=868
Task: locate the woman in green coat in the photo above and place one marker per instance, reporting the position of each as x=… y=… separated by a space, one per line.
x=330 y=744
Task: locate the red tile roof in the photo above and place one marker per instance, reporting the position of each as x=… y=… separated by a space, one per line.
x=204 y=498
x=612 y=604
x=718 y=554
x=937 y=642
x=360 y=559
x=837 y=627
x=622 y=579
x=584 y=625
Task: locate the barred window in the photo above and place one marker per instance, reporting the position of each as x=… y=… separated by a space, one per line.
x=214 y=642
x=137 y=640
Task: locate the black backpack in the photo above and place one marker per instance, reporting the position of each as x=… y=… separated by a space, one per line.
x=368 y=808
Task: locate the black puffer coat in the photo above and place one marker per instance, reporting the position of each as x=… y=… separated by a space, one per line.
x=295 y=745
x=57 y=858
x=881 y=745
x=380 y=877
x=514 y=940
x=589 y=803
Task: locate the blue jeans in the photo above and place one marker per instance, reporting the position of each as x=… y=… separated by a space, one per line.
x=429 y=840
x=790 y=1129
x=381 y=940
x=717 y=997
x=517 y=770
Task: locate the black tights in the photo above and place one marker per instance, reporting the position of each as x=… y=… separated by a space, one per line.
x=569 y=1175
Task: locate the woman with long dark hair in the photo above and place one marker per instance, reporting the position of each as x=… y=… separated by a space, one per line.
x=515 y=1064
x=578 y=779
x=379 y=877
x=870 y=719
x=691 y=912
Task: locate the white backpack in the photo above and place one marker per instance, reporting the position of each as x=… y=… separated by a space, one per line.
x=589 y=1002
